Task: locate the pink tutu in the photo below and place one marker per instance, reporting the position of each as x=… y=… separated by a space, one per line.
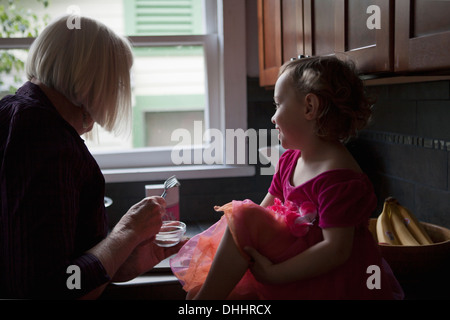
x=279 y=233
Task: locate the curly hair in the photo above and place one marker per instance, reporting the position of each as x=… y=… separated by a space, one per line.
x=344 y=107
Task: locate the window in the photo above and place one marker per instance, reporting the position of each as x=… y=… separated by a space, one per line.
x=18 y=24
x=189 y=73
x=169 y=79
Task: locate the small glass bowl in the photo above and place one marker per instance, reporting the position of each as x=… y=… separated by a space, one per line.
x=170 y=233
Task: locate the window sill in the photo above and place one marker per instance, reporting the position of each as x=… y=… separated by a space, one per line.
x=182 y=172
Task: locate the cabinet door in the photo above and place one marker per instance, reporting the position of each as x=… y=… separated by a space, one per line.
x=280 y=24
x=364 y=33
x=319 y=27
x=292 y=29
x=340 y=27
x=270 y=41
x=422 y=35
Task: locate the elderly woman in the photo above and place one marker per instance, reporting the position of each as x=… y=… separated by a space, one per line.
x=52 y=213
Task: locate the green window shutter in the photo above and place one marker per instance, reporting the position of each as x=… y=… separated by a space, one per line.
x=163 y=17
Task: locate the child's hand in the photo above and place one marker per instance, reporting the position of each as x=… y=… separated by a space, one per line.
x=262 y=268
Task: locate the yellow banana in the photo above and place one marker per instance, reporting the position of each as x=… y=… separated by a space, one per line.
x=414 y=226
x=404 y=236
x=385 y=230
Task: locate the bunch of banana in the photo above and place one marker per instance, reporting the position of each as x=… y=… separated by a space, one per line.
x=396 y=225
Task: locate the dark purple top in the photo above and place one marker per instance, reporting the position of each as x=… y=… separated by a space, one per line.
x=51 y=202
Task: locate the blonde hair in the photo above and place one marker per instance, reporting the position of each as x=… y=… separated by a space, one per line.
x=90 y=66
x=344 y=107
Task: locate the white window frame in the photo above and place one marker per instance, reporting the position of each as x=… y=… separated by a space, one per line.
x=225 y=47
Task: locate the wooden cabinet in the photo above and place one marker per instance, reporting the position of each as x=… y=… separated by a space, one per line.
x=410 y=35
x=270 y=41
x=292 y=29
x=340 y=27
x=280 y=28
x=422 y=35
x=370 y=48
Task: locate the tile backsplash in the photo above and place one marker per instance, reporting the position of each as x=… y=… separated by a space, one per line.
x=406 y=148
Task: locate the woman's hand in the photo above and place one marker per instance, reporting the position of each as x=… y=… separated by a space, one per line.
x=129 y=248
x=143 y=220
x=143 y=258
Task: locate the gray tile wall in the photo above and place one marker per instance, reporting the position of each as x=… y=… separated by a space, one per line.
x=406 y=148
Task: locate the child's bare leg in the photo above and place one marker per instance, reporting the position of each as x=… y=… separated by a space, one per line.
x=226 y=271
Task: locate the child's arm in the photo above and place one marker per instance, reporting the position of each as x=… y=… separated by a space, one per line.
x=324 y=256
x=268 y=200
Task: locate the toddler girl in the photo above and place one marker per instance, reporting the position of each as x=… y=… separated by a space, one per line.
x=309 y=238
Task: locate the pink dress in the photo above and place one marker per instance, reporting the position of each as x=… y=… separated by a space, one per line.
x=336 y=198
